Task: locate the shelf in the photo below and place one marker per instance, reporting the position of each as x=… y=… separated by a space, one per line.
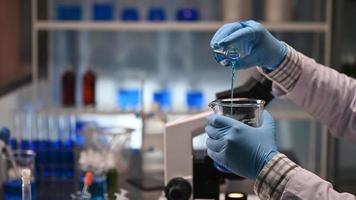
x=285 y=114
x=88 y=111
x=105 y=111
x=171 y=26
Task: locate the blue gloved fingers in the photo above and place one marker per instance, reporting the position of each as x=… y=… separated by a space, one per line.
x=224 y=31
x=246 y=62
x=216 y=145
x=215 y=133
x=267 y=120
x=217 y=156
x=241 y=38
x=250 y=23
x=219 y=121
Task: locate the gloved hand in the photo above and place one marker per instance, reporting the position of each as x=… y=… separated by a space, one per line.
x=257 y=46
x=241 y=149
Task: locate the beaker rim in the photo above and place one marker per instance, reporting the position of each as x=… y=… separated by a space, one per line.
x=238 y=102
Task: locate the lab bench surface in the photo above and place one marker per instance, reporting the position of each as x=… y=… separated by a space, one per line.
x=134 y=193
x=245 y=186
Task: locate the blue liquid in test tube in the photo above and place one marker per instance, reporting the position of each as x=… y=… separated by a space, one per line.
x=67 y=147
x=54 y=151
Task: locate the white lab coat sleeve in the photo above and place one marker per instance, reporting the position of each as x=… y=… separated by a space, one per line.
x=272 y=179
x=304 y=185
x=329 y=96
x=282 y=179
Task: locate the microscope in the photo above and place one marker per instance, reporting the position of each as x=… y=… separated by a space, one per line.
x=190 y=174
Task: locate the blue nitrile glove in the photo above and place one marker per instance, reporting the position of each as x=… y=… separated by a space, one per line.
x=257 y=46
x=241 y=149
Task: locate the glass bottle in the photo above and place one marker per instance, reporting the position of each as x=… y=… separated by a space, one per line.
x=68 y=88
x=68 y=10
x=89 y=79
x=188 y=11
x=157 y=11
x=130 y=11
x=103 y=10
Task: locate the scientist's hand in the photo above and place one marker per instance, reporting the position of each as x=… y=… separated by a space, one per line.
x=241 y=149
x=257 y=46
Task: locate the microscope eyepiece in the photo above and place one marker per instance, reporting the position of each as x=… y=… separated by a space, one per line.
x=178 y=189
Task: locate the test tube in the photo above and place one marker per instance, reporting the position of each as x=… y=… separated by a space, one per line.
x=54 y=145
x=67 y=152
x=26 y=184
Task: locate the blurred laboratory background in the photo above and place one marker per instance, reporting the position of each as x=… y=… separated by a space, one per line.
x=90 y=84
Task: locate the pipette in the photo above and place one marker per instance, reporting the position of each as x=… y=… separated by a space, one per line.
x=5 y=137
x=88 y=180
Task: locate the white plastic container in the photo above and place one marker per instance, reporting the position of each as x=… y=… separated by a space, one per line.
x=237 y=10
x=279 y=10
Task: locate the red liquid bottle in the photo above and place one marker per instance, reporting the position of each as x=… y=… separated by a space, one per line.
x=68 y=88
x=89 y=88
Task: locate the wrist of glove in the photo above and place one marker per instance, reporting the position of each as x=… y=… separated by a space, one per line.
x=239 y=148
x=256 y=45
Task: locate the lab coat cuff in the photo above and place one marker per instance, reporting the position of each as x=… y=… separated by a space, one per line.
x=286 y=75
x=274 y=176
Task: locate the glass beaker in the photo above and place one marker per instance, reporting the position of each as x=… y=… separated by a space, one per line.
x=246 y=110
x=12 y=186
